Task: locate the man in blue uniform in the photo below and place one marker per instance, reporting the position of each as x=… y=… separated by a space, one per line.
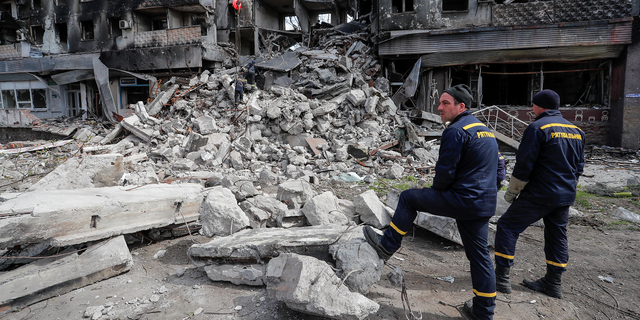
x=544 y=180
x=464 y=188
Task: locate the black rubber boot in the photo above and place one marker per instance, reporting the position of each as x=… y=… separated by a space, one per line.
x=373 y=238
x=467 y=311
x=549 y=285
x=502 y=279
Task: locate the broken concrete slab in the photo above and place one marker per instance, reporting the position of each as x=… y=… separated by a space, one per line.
x=51 y=277
x=372 y=211
x=324 y=209
x=91 y=171
x=133 y=125
x=220 y=214
x=358 y=262
x=396 y=172
x=283 y=63
x=251 y=275
x=267 y=204
x=253 y=245
x=447 y=227
x=156 y=105
x=309 y=285
x=68 y=217
x=295 y=193
x=356 y=97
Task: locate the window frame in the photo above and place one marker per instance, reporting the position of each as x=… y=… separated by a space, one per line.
x=31 y=86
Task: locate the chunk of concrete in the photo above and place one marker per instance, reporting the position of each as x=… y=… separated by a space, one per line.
x=291 y=218
x=89 y=171
x=358 y=262
x=324 y=209
x=356 y=97
x=396 y=172
x=309 y=285
x=220 y=214
x=133 y=125
x=626 y=215
x=253 y=245
x=251 y=275
x=295 y=193
x=372 y=211
x=51 y=277
x=447 y=227
x=68 y=217
x=154 y=107
x=194 y=142
x=349 y=210
x=270 y=205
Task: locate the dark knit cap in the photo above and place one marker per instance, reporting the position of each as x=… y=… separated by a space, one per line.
x=546 y=99
x=462 y=93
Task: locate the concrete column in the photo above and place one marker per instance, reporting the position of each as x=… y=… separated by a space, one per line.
x=631 y=114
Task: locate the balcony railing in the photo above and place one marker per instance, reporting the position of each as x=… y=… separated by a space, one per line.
x=167 y=37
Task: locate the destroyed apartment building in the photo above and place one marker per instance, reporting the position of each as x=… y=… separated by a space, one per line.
x=150 y=143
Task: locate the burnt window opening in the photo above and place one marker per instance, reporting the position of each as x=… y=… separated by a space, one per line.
x=87 y=29
x=114 y=27
x=133 y=90
x=61 y=31
x=578 y=84
x=455 y=5
x=5 y=7
x=37 y=4
x=37 y=33
x=291 y=23
x=202 y=22
x=159 y=24
x=324 y=17
x=400 y=6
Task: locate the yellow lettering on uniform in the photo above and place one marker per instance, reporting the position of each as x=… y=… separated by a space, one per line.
x=565 y=135
x=484 y=134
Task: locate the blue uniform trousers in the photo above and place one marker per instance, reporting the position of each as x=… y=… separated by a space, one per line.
x=473 y=231
x=518 y=217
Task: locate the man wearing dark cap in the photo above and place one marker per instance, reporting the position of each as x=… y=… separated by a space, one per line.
x=542 y=186
x=464 y=188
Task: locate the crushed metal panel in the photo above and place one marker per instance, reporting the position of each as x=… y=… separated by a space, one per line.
x=562 y=54
x=503 y=38
x=72 y=76
x=283 y=63
x=101 y=73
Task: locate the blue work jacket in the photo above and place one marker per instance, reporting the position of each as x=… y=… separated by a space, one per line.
x=551 y=159
x=466 y=170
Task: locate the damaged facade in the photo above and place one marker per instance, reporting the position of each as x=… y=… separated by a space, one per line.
x=76 y=57
x=509 y=50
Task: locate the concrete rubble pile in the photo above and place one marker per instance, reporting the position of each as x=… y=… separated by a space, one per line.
x=190 y=156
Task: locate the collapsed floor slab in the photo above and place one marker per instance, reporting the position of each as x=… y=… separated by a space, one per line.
x=49 y=277
x=67 y=217
x=256 y=244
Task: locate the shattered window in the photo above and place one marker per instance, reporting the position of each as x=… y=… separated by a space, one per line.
x=455 y=5
x=39 y=98
x=291 y=23
x=200 y=21
x=87 y=30
x=37 y=32
x=399 y=6
x=159 y=24
x=23 y=96
x=8 y=99
x=325 y=17
x=114 y=27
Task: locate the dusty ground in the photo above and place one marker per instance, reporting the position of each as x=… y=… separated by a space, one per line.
x=599 y=247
